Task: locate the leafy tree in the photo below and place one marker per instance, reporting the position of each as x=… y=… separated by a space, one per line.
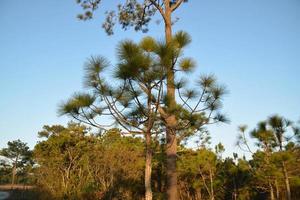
x=138 y=14
x=74 y=164
x=5 y=171
x=235 y=177
x=19 y=155
x=199 y=172
x=276 y=138
x=60 y=158
x=219 y=149
x=206 y=164
x=132 y=13
x=140 y=104
x=133 y=104
x=121 y=174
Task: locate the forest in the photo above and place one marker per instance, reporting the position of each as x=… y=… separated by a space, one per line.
x=74 y=163
x=140 y=128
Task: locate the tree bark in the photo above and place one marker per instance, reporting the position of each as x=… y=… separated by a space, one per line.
x=171 y=165
x=148 y=168
x=277 y=190
x=286 y=181
x=199 y=195
x=159 y=171
x=234 y=189
x=14 y=171
x=271 y=192
x=211 y=185
x=13 y=175
x=171 y=122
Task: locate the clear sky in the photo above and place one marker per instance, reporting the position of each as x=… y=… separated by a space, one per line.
x=253 y=46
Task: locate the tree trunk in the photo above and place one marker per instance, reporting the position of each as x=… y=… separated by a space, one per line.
x=13 y=175
x=277 y=190
x=234 y=189
x=212 y=195
x=159 y=171
x=286 y=181
x=14 y=171
x=235 y=195
x=271 y=192
x=171 y=122
x=148 y=168
x=171 y=165
x=199 y=195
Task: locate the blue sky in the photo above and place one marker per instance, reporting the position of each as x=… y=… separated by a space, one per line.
x=253 y=46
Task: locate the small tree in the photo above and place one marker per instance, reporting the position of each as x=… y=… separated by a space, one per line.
x=140 y=103
x=133 y=104
x=276 y=138
x=18 y=153
x=138 y=14
x=76 y=164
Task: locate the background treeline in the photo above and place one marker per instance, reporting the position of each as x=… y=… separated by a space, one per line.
x=72 y=163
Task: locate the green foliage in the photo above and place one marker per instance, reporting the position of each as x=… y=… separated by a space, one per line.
x=141 y=73
x=5 y=172
x=17 y=150
x=16 y=163
x=148 y=44
x=130 y=13
x=273 y=165
x=73 y=164
x=181 y=39
x=187 y=64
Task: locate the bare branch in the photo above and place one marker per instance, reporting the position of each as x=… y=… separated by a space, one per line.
x=176 y=5
x=159 y=8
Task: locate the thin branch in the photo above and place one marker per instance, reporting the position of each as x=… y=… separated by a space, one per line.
x=176 y=5
x=159 y=8
x=136 y=99
x=184 y=101
x=200 y=100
